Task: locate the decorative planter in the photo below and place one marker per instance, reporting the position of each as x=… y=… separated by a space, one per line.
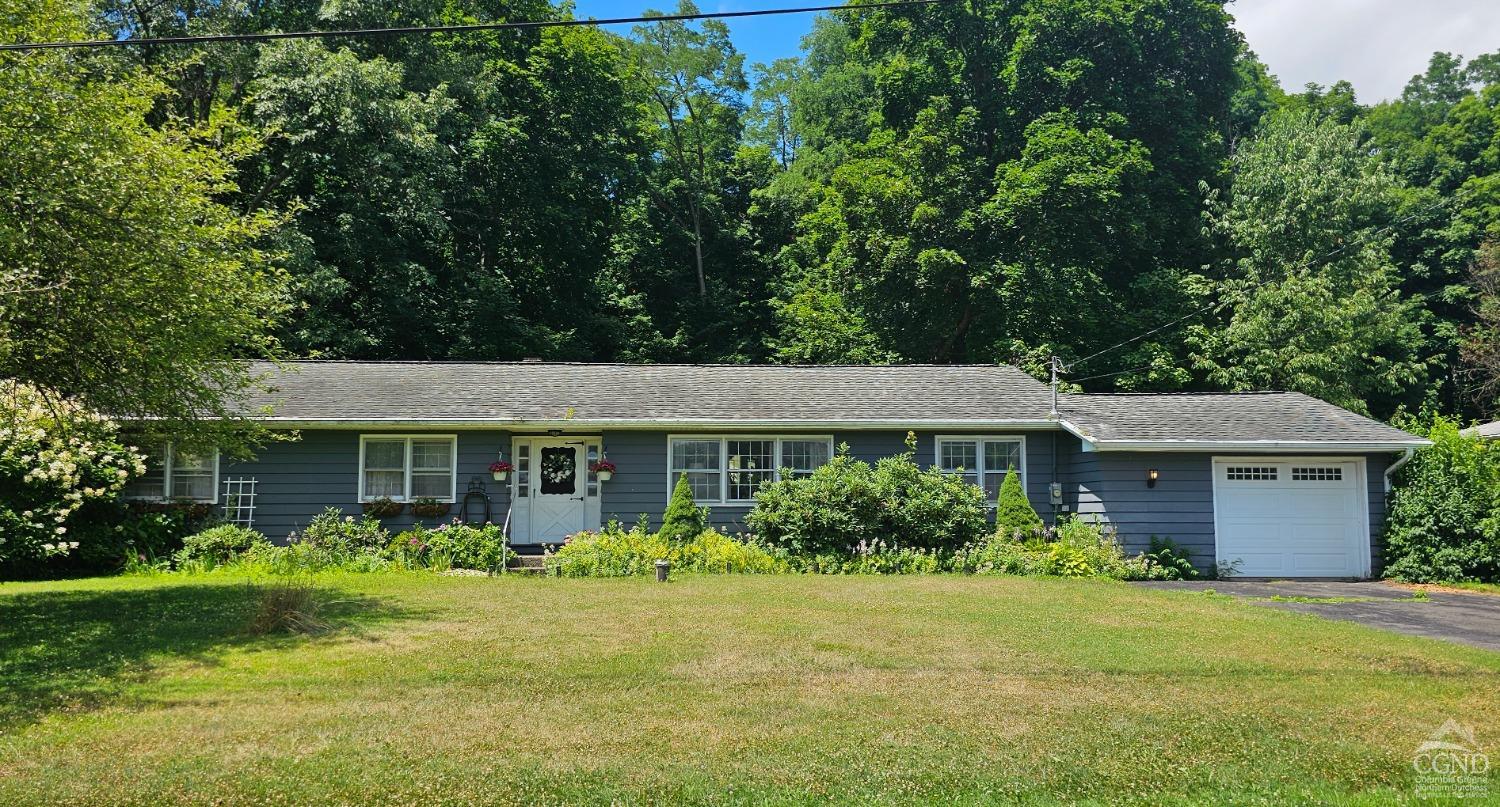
x=382 y=508
x=437 y=510
x=500 y=476
x=604 y=475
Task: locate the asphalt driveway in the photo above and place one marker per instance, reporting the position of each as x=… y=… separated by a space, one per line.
x=1472 y=619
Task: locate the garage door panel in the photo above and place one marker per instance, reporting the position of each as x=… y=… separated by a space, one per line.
x=1332 y=533
x=1266 y=564
x=1320 y=565
x=1289 y=517
x=1276 y=502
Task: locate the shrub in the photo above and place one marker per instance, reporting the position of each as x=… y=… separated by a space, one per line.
x=296 y=558
x=149 y=530
x=113 y=535
x=830 y=510
x=1075 y=548
x=220 y=544
x=1014 y=515
x=616 y=552
x=846 y=503
x=1169 y=561
x=461 y=546
x=610 y=552
x=684 y=520
x=876 y=558
x=333 y=531
x=409 y=548
x=55 y=456
x=715 y=552
x=1444 y=519
x=926 y=509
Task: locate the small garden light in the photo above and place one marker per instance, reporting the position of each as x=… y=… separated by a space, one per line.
x=662 y=568
x=1151 y=478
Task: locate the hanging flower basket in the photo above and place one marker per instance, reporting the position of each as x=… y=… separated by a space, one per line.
x=382 y=507
x=500 y=470
x=603 y=468
x=430 y=508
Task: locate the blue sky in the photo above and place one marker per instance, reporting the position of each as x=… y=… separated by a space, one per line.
x=1375 y=44
x=761 y=39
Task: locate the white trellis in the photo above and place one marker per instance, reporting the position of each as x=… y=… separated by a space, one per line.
x=239 y=501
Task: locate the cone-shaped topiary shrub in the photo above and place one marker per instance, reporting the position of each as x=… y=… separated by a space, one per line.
x=1014 y=514
x=683 y=520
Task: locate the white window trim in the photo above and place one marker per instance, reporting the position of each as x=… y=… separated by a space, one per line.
x=937 y=457
x=169 y=455
x=406 y=464
x=723 y=500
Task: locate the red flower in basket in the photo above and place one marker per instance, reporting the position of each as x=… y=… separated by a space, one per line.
x=602 y=468
x=501 y=466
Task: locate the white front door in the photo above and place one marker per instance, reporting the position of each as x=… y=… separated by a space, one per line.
x=557 y=488
x=1291 y=517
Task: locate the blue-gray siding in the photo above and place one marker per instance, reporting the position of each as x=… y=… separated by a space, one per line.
x=640 y=485
x=298 y=479
x=1111 y=486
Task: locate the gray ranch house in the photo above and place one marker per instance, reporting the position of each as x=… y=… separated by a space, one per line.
x=1278 y=483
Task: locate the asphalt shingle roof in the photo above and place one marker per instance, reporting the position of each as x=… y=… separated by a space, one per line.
x=311 y=392
x=540 y=391
x=1223 y=417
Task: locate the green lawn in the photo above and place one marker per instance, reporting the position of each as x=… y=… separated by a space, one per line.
x=735 y=689
x=1483 y=588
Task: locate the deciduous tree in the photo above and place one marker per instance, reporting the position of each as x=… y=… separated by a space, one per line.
x=132 y=288
x=1311 y=300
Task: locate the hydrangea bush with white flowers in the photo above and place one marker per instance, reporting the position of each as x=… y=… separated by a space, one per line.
x=54 y=456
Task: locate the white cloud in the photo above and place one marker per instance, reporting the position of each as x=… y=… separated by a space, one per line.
x=1377 y=45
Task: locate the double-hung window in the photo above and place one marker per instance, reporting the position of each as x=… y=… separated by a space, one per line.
x=983 y=461
x=407 y=467
x=729 y=470
x=173 y=473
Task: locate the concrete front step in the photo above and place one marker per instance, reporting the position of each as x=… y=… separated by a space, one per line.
x=530 y=563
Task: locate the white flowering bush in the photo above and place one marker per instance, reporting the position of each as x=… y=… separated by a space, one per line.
x=54 y=457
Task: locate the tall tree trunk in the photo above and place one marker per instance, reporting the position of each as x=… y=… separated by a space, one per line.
x=955 y=341
x=698 y=250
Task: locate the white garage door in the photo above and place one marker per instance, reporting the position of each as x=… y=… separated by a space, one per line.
x=1297 y=517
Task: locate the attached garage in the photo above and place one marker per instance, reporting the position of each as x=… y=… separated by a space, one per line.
x=1291 y=516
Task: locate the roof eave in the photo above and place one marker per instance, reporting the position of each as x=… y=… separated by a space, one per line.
x=647 y=424
x=1261 y=446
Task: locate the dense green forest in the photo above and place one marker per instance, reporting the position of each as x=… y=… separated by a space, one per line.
x=978 y=181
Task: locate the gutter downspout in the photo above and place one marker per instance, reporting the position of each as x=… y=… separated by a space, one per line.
x=1396 y=466
x=1054 y=485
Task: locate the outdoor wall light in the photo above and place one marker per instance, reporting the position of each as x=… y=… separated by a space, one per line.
x=1151 y=478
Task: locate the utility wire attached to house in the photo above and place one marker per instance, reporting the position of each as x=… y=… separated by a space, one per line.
x=267 y=36
x=1111 y=375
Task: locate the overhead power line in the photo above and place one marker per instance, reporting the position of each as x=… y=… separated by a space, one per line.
x=1308 y=264
x=453 y=29
x=1111 y=375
